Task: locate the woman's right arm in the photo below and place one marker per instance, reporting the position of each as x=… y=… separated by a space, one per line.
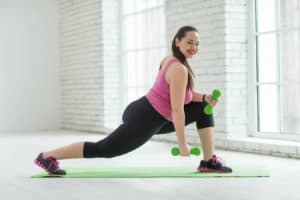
x=178 y=81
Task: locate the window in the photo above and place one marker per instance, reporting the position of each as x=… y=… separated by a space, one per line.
x=143 y=45
x=277 y=47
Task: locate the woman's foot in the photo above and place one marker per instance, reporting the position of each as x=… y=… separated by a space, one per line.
x=214 y=165
x=50 y=165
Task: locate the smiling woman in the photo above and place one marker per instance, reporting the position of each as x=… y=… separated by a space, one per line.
x=170 y=105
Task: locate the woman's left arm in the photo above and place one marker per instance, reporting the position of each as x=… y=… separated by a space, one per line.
x=197 y=96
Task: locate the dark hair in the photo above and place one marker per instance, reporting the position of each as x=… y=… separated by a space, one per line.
x=177 y=53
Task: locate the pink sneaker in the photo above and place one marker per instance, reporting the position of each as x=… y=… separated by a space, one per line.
x=50 y=165
x=214 y=165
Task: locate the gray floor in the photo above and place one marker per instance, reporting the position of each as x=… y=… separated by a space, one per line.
x=19 y=149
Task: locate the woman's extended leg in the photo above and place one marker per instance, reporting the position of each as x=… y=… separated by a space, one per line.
x=141 y=122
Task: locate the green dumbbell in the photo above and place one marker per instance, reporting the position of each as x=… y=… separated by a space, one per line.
x=194 y=151
x=208 y=109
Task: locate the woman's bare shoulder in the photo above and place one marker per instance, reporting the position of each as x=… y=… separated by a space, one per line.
x=166 y=59
x=177 y=69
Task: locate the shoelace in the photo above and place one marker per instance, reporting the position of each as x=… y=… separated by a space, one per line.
x=54 y=162
x=217 y=160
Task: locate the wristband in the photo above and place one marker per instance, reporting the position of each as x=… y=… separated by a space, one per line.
x=203 y=98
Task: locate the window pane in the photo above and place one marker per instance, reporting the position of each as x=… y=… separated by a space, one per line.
x=291 y=112
x=141 y=91
x=154 y=61
x=265 y=15
x=160 y=2
x=129 y=6
x=155 y=56
x=266 y=48
x=141 y=68
x=132 y=94
x=270 y=119
x=131 y=69
x=141 y=30
x=141 y=4
x=154 y=32
x=144 y=40
x=290 y=51
x=290 y=13
x=267 y=108
x=162 y=29
x=153 y=3
x=130 y=32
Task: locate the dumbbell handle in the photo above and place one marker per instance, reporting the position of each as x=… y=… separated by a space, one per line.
x=208 y=109
x=194 y=151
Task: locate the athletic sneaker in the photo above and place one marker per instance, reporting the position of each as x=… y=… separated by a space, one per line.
x=49 y=164
x=214 y=165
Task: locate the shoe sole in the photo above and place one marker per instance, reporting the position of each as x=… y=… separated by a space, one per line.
x=206 y=170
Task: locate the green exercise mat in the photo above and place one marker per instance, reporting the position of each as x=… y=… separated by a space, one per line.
x=156 y=172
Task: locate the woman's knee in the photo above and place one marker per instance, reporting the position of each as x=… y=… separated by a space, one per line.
x=99 y=150
x=205 y=121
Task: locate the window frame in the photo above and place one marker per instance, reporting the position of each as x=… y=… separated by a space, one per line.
x=253 y=83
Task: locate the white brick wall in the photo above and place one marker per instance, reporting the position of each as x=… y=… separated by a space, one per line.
x=236 y=60
x=89 y=64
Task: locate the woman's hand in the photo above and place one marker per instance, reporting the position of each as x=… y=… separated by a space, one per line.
x=184 y=150
x=209 y=100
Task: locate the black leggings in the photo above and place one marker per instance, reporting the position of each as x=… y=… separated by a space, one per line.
x=140 y=122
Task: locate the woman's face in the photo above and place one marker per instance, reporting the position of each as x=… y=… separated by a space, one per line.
x=188 y=45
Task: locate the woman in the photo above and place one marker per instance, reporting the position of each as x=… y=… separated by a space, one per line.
x=168 y=106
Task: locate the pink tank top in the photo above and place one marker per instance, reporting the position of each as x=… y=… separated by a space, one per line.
x=159 y=94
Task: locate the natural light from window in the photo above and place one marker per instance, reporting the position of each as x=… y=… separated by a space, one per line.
x=144 y=45
x=278 y=66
